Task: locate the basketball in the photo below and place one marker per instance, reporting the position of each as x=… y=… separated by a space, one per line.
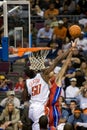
x=75 y=31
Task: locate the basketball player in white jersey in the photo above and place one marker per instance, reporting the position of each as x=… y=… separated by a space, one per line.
x=38 y=88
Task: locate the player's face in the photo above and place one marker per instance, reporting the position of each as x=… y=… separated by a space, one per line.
x=51 y=74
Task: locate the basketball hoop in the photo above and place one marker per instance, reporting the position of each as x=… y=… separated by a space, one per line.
x=37 y=59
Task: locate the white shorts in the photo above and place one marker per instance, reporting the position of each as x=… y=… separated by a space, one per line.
x=36 y=110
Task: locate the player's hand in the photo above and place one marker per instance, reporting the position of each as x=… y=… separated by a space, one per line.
x=74 y=44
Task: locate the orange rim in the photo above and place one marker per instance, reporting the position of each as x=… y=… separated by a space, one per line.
x=21 y=51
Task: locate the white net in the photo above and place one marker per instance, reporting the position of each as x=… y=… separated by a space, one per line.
x=37 y=60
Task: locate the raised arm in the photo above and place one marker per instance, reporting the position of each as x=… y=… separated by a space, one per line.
x=46 y=72
x=60 y=75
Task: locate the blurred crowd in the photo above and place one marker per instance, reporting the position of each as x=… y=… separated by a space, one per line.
x=52 y=33
x=64 y=7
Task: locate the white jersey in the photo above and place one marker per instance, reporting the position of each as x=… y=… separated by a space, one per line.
x=38 y=89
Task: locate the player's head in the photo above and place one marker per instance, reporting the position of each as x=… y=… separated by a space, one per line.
x=29 y=73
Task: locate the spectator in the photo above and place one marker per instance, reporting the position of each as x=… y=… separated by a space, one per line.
x=63 y=119
x=72 y=90
x=73 y=72
x=82 y=44
x=85 y=111
x=54 y=22
x=44 y=35
x=10 y=96
x=32 y=6
x=25 y=122
x=77 y=117
x=75 y=60
x=64 y=116
x=67 y=44
x=19 y=85
x=83 y=5
x=2 y=127
x=43 y=121
x=51 y=10
x=69 y=74
x=38 y=11
x=69 y=5
x=10 y=116
x=4 y=84
x=77 y=54
x=44 y=4
x=81 y=126
x=85 y=84
x=68 y=126
x=80 y=77
x=62 y=102
x=49 y=19
x=82 y=96
x=85 y=29
x=59 y=34
x=72 y=106
x=53 y=52
x=83 y=68
x=57 y=4
x=64 y=10
x=78 y=10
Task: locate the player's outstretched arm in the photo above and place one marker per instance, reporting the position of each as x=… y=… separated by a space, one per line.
x=60 y=75
x=55 y=63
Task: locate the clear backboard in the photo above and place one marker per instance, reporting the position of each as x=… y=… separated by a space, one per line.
x=16 y=22
x=18 y=37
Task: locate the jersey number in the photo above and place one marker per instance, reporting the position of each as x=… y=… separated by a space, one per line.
x=36 y=90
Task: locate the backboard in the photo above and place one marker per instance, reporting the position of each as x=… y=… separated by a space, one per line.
x=16 y=21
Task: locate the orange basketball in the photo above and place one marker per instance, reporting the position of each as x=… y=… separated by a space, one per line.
x=75 y=31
